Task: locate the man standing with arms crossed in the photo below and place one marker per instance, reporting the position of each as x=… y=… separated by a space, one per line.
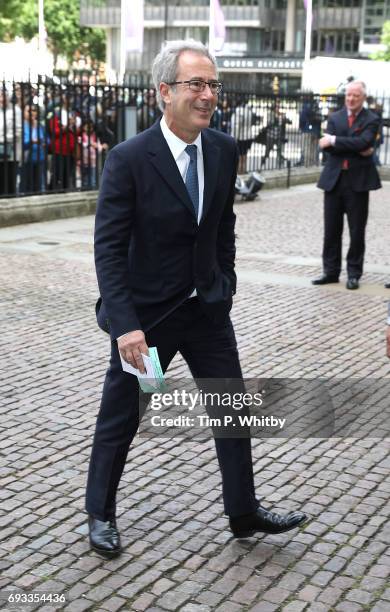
x=349 y=174
x=164 y=253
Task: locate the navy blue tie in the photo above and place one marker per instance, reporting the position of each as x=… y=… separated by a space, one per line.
x=192 y=177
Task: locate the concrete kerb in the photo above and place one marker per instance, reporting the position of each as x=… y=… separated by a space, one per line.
x=31 y=209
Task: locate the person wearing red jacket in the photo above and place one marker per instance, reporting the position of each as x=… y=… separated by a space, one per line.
x=62 y=127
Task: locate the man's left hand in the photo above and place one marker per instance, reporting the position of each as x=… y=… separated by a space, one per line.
x=325 y=141
x=388 y=341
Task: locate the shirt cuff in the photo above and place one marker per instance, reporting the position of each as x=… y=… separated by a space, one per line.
x=332 y=139
x=123 y=335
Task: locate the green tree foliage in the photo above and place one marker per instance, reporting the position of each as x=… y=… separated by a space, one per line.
x=18 y=18
x=62 y=21
x=385 y=40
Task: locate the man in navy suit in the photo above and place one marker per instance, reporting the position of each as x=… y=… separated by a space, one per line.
x=164 y=254
x=348 y=176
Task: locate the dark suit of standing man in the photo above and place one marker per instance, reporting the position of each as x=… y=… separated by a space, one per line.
x=164 y=252
x=388 y=332
x=348 y=176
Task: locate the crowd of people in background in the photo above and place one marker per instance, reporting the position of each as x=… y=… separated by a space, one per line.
x=55 y=137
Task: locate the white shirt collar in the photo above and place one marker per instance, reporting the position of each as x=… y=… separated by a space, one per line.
x=176 y=145
x=349 y=112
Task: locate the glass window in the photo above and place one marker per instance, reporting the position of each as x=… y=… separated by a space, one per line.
x=336 y=42
x=267 y=40
x=338 y=3
x=255 y=39
x=314 y=41
x=282 y=40
x=234 y=2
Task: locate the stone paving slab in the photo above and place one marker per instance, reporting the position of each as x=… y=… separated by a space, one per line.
x=178 y=551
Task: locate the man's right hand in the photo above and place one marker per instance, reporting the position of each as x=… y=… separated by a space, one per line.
x=367 y=152
x=131 y=346
x=325 y=141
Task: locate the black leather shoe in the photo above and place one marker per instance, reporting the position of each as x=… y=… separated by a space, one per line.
x=325 y=280
x=352 y=283
x=265 y=521
x=387 y=285
x=104 y=537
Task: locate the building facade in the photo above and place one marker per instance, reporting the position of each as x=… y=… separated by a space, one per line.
x=264 y=45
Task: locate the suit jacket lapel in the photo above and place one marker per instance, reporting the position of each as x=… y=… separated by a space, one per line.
x=358 y=121
x=344 y=119
x=211 y=155
x=162 y=159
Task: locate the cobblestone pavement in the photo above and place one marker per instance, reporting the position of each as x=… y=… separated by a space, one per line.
x=178 y=551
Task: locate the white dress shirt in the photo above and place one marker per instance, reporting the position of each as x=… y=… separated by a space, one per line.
x=182 y=159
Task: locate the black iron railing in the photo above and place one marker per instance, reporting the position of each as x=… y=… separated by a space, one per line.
x=55 y=136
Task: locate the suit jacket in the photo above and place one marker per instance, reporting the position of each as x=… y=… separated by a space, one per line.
x=362 y=172
x=150 y=252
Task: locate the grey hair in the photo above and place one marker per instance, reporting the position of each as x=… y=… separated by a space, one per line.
x=164 y=67
x=360 y=83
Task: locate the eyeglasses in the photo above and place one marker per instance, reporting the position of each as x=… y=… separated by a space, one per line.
x=198 y=85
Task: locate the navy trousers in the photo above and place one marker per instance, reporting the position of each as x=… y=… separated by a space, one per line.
x=343 y=200
x=211 y=352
